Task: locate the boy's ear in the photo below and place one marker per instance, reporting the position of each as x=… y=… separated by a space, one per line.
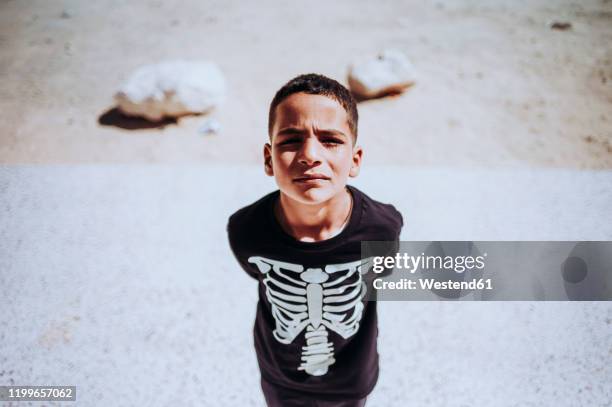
x=356 y=165
x=268 y=159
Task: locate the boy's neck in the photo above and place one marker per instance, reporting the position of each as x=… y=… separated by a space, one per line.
x=313 y=223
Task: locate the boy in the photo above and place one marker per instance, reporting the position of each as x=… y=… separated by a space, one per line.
x=315 y=335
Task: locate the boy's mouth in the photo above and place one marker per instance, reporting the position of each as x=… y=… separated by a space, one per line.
x=311 y=178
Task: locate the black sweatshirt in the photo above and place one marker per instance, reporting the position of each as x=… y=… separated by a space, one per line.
x=315 y=334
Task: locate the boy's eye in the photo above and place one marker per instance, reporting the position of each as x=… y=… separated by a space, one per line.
x=332 y=141
x=289 y=141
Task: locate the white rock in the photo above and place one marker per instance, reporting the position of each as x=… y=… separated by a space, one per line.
x=390 y=72
x=172 y=89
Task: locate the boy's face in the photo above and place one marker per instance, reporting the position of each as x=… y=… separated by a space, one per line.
x=311 y=152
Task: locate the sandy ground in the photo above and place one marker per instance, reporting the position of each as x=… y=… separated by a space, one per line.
x=496 y=85
x=118 y=279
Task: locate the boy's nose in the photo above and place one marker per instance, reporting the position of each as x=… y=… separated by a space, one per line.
x=310 y=151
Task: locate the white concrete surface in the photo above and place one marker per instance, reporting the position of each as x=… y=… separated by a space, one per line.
x=119 y=280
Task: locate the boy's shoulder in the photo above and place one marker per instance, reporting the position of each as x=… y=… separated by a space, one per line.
x=253 y=216
x=382 y=220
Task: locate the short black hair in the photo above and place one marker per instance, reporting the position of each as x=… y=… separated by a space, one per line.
x=315 y=84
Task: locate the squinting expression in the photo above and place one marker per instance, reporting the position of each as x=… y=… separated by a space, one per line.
x=311 y=154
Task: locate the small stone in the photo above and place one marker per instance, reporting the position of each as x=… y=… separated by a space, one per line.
x=561 y=25
x=66 y=14
x=209 y=127
x=388 y=73
x=172 y=89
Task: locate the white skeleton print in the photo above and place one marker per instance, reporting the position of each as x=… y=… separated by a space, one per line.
x=314 y=299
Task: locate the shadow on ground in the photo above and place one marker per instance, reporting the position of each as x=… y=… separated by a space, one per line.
x=114 y=117
x=387 y=94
